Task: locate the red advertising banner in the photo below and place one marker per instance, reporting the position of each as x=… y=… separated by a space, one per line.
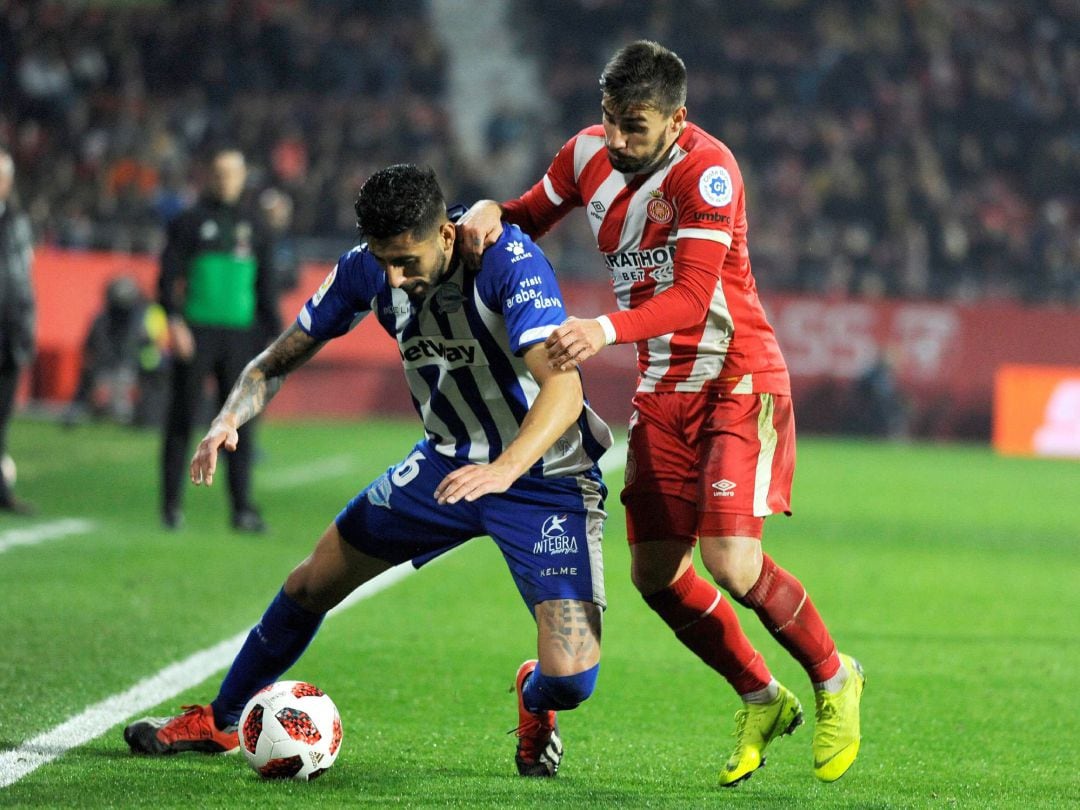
x=932 y=363
x=942 y=357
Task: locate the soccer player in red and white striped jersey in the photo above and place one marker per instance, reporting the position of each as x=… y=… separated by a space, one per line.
x=712 y=439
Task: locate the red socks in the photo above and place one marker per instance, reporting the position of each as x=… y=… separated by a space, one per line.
x=706 y=623
x=785 y=609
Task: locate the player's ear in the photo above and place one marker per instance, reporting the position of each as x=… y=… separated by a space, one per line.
x=678 y=118
x=448 y=233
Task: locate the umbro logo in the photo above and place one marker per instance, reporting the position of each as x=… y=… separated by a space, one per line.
x=596 y=210
x=723 y=488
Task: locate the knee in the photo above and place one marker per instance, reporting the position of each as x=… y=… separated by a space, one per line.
x=300 y=587
x=734 y=563
x=649 y=580
x=652 y=574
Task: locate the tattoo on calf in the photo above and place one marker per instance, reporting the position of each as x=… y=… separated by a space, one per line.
x=573 y=625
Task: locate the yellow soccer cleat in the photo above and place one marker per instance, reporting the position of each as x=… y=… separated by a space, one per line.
x=757 y=725
x=836 y=734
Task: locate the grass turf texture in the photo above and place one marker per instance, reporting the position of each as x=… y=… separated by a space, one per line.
x=953 y=575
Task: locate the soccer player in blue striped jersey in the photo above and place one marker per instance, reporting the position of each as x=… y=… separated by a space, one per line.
x=509 y=451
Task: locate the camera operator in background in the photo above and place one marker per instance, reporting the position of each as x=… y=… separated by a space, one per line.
x=123 y=369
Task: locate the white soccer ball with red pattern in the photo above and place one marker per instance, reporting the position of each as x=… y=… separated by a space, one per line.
x=290 y=730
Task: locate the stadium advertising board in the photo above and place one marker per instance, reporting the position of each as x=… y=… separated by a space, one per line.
x=1037 y=411
x=939 y=359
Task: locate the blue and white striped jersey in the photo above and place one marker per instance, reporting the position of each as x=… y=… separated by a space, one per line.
x=461 y=347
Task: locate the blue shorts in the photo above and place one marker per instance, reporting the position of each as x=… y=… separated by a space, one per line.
x=548 y=529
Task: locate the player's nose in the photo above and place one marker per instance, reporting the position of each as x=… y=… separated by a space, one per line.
x=615 y=139
x=395 y=275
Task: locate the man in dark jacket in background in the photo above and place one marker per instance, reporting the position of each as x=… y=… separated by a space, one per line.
x=218 y=291
x=16 y=319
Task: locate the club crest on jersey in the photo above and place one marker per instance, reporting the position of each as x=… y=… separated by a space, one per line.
x=715 y=186
x=448 y=298
x=658 y=209
x=319 y=293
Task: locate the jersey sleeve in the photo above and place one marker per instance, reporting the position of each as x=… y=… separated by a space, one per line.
x=344 y=297
x=681 y=305
x=708 y=195
x=517 y=281
x=542 y=206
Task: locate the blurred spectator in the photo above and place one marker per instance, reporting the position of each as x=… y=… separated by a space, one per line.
x=879 y=406
x=123 y=371
x=277 y=213
x=16 y=319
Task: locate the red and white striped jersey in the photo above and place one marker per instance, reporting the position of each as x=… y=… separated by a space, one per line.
x=675 y=243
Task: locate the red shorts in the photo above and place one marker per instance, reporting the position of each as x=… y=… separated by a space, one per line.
x=707 y=463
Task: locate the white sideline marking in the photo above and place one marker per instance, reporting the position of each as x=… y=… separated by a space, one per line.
x=149 y=692
x=32 y=535
x=309 y=473
x=175 y=678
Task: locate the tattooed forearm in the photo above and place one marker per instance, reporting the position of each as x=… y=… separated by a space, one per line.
x=571 y=624
x=264 y=376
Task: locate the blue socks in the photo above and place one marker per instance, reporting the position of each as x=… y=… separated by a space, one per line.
x=545 y=692
x=272 y=646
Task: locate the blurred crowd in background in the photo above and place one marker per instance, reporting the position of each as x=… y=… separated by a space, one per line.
x=112 y=109
x=928 y=148
x=918 y=149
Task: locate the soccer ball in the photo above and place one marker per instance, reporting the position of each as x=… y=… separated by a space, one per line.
x=290 y=730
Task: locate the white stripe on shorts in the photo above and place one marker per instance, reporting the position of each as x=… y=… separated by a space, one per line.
x=767 y=436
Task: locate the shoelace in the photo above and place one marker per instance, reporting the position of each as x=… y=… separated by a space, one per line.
x=827 y=714
x=187 y=724
x=531 y=727
x=741 y=716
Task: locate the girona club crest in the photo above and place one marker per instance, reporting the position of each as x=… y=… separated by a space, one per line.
x=658 y=209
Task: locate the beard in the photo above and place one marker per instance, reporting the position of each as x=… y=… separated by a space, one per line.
x=418 y=289
x=626 y=164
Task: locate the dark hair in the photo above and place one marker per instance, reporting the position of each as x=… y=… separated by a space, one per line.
x=645 y=73
x=397 y=199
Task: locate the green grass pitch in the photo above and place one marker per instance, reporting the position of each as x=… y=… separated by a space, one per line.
x=952 y=574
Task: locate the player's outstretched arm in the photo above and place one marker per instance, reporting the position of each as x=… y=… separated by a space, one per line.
x=575 y=342
x=557 y=406
x=479 y=228
x=260 y=380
